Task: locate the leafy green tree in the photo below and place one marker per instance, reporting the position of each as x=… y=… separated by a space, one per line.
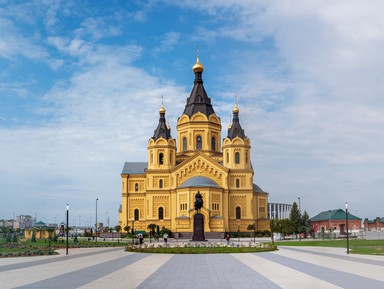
x=151 y=228
x=8 y=235
x=165 y=230
x=286 y=227
x=251 y=227
x=118 y=228
x=55 y=236
x=33 y=239
x=295 y=219
x=50 y=231
x=127 y=228
x=15 y=239
x=305 y=224
x=283 y=227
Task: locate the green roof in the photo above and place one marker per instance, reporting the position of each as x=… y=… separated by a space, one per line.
x=337 y=214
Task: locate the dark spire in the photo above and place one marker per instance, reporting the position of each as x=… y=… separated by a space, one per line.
x=235 y=129
x=162 y=129
x=198 y=100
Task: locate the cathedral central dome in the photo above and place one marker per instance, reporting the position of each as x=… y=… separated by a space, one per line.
x=199 y=182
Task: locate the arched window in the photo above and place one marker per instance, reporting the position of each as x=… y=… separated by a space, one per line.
x=184 y=144
x=237 y=158
x=246 y=157
x=238 y=213
x=151 y=158
x=170 y=156
x=136 y=187
x=137 y=214
x=161 y=158
x=227 y=157
x=160 y=184
x=198 y=143
x=213 y=143
x=161 y=213
x=237 y=183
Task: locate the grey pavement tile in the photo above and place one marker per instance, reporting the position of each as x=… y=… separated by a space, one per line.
x=336 y=277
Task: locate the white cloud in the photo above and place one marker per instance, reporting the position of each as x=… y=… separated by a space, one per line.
x=168 y=41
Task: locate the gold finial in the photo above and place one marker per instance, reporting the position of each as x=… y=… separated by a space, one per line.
x=198 y=67
x=235 y=109
x=162 y=109
x=230 y=122
x=168 y=126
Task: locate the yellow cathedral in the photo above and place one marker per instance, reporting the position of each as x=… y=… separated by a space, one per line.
x=162 y=191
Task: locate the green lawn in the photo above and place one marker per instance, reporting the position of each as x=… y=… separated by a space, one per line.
x=367 y=247
x=41 y=247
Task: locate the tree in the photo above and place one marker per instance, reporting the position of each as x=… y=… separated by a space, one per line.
x=305 y=224
x=15 y=239
x=33 y=239
x=50 y=231
x=252 y=227
x=55 y=237
x=295 y=219
x=127 y=228
x=152 y=228
x=118 y=229
x=165 y=230
x=283 y=227
x=286 y=227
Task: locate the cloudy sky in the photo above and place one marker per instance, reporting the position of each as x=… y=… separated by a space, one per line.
x=81 y=84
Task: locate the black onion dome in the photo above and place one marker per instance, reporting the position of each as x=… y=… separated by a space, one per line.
x=235 y=130
x=162 y=129
x=198 y=101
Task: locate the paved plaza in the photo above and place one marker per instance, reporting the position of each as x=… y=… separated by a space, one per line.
x=109 y=268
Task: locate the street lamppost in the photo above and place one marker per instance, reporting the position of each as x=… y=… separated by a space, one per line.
x=254 y=231
x=238 y=231
x=272 y=230
x=346 y=218
x=67 y=229
x=329 y=224
x=299 y=203
x=96 y=219
x=150 y=232
x=133 y=230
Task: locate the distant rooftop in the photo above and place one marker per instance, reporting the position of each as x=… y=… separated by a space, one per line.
x=337 y=214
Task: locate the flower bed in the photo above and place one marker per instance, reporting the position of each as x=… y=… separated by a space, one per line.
x=200 y=248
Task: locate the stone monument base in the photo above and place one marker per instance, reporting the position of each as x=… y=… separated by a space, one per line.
x=198 y=227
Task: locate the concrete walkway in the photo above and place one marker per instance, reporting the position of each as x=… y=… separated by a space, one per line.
x=109 y=268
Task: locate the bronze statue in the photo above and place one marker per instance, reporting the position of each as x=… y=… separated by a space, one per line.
x=198 y=202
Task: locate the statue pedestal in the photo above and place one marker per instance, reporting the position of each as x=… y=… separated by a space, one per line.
x=198 y=228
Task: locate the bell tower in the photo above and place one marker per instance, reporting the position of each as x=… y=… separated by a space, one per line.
x=198 y=128
x=161 y=147
x=236 y=146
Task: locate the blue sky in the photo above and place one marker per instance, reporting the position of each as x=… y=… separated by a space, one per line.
x=81 y=84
